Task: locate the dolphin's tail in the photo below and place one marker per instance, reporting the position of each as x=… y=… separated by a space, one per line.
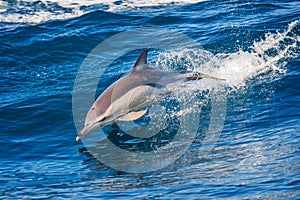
x=198 y=76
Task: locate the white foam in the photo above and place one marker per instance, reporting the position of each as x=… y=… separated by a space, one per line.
x=38 y=11
x=240 y=66
x=237 y=68
x=3 y=6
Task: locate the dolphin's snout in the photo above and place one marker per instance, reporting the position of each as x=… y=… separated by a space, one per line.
x=84 y=131
x=77 y=138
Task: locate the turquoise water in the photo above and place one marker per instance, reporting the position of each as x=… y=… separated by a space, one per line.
x=254 y=45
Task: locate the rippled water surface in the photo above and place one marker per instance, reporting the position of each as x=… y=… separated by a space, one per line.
x=254 y=45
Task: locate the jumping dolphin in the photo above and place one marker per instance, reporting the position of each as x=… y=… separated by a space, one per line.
x=127 y=98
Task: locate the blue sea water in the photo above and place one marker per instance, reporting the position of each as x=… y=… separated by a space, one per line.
x=255 y=46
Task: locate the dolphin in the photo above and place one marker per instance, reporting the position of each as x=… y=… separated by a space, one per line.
x=127 y=98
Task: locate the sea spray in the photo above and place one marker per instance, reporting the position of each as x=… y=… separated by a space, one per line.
x=267 y=56
x=266 y=59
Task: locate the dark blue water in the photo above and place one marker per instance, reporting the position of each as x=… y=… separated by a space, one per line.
x=257 y=155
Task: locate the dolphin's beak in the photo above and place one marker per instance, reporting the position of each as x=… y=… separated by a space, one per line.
x=77 y=138
x=85 y=131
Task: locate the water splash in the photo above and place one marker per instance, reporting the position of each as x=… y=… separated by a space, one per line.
x=266 y=58
x=278 y=46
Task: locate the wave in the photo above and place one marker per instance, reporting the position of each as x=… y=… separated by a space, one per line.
x=38 y=11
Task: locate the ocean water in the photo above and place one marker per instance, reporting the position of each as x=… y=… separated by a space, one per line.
x=254 y=45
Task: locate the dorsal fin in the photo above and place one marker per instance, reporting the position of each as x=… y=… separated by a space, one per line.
x=141 y=62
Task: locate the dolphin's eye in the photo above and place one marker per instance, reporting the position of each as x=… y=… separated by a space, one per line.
x=93 y=108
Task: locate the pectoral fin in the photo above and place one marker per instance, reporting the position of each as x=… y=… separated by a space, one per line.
x=132 y=115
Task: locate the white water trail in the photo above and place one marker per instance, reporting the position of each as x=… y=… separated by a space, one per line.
x=268 y=56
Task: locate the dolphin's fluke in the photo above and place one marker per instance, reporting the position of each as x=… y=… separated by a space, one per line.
x=198 y=76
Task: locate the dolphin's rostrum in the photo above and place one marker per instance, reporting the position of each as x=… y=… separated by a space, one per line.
x=127 y=99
